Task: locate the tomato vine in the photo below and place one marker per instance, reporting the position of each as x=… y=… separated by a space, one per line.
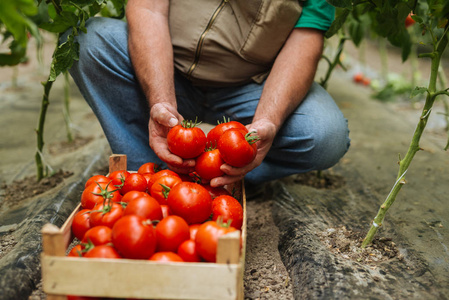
x=390 y=19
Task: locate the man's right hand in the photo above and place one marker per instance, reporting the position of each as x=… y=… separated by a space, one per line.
x=163 y=117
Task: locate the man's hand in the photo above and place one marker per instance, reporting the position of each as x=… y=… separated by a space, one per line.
x=266 y=131
x=163 y=117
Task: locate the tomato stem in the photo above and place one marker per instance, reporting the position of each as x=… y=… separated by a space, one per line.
x=414 y=144
x=251 y=139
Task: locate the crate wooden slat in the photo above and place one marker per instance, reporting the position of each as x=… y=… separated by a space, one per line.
x=141 y=279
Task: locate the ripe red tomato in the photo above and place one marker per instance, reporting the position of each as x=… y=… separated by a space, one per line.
x=134 y=237
x=118 y=177
x=106 y=214
x=98 y=193
x=97 y=236
x=208 y=164
x=96 y=178
x=144 y=206
x=207 y=239
x=366 y=81
x=186 y=140
x=229 y=209
x=409 y=20
x=149 y=167
x=165 y=211
x=171 y=232
x=81 y=223
x=166 y=256
x=215 y=133
x=237 y=149
x=187 y=251
x=358 y=77
x=158 y=175
x=133 y=195
x=76 y=251
x=134 y=182
x=103 y=251
x=216 y=191
x=193 y=230
x=161 y=187
x=190 y=201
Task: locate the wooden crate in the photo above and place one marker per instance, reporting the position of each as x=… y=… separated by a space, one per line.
x=141 y=279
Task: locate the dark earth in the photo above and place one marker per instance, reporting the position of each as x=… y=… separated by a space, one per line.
x=304 y=232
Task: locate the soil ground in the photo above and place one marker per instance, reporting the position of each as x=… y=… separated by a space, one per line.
x=369 y=168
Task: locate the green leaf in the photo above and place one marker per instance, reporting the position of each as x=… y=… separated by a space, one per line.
x=341 y=3
x=340 y=19
x=418 y=90
x=13 y=14
x=63 y=57
x=61 y=22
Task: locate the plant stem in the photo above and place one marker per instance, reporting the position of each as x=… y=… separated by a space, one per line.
x=414 y=145
x=383 y=57
x=40 y=129
x=66 y=107
x=334 y=63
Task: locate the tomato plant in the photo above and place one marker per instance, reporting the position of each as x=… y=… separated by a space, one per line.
x=190 y=201
x=171 y=232
x=186 y=140
x=237 y=149
x=206 y=239
x=134 y=237
x=228 y=209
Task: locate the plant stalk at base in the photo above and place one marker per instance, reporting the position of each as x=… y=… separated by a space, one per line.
x=414 y=145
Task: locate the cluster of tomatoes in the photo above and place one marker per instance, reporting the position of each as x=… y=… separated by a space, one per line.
x=154 y=215
x=229 y=142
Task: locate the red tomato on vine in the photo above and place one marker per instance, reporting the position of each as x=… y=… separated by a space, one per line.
x=186 y=140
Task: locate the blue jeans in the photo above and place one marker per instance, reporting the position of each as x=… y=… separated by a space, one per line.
x=314 y=136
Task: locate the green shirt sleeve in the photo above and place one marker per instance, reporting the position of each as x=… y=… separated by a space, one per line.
x=316 y=14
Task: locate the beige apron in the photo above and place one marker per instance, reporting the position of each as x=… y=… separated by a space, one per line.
x=229 y=42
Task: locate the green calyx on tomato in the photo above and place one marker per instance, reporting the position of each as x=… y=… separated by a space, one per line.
x=104 y=192
x=190 y=123
x=252 y=138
